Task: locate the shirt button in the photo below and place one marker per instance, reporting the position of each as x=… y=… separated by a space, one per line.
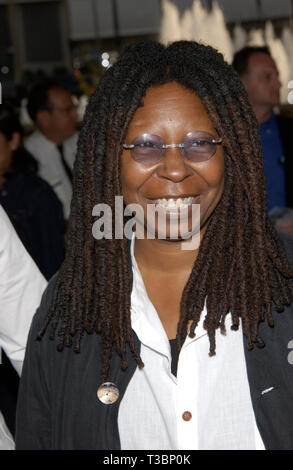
x=187 y=416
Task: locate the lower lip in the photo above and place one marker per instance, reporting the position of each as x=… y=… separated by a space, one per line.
x=173 y=213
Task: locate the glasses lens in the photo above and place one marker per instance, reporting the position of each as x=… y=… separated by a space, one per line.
x=147 y=149
x=199 y=146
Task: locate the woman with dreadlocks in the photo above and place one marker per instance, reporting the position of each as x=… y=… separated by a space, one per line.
x=161 y=347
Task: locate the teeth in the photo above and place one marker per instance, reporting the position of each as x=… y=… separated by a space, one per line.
x=171 y=203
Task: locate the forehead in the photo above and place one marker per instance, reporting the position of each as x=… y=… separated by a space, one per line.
x=59 y=95
x=170 y=103
x=261 y=62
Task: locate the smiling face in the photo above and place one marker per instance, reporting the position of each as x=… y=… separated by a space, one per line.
x=171 y=112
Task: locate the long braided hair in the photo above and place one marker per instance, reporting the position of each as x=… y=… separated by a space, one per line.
x=241 y=265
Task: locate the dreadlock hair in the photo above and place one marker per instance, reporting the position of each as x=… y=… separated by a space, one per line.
x=241 y=265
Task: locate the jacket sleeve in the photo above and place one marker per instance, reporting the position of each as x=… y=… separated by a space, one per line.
x=33 y=416
x=21 y=288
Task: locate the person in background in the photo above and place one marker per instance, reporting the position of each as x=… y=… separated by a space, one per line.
x=37 y=216
x=54 y=141
x=32 y=206
x=21 y=288
x=260 y=77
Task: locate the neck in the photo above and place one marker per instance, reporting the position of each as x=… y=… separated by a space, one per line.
x=263 y=113
x=52 y=137
x=165 y=257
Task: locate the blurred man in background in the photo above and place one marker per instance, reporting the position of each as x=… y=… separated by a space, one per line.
x=260 y=78
x=54 y=141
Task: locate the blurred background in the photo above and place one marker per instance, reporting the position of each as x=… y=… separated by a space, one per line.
x=77 y=40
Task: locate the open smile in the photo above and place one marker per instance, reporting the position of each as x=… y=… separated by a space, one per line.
x=176 y=203
x=173 y=206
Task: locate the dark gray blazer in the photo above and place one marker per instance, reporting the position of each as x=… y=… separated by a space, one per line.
x=58 y=406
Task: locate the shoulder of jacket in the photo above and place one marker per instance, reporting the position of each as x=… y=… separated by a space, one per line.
x=37 y=184
x=37 y=144
x=46 y=301
x=34 y=136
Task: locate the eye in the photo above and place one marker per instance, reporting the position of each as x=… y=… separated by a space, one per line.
x=267 y=76
x=147 y=144
x=201 y=143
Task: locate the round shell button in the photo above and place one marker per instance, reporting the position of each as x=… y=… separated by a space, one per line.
x=187 y=416
x=108 y=393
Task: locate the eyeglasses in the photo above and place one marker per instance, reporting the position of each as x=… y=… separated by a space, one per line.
x=196 y=146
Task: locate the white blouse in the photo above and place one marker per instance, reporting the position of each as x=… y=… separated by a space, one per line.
x=208 y=405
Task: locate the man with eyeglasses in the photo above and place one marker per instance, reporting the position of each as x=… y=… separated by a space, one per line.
x=53 y=143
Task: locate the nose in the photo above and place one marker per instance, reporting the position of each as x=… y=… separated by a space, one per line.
x=174 y=166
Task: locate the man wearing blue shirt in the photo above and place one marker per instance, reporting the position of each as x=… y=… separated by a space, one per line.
x=274 y=160
x=260 y=78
